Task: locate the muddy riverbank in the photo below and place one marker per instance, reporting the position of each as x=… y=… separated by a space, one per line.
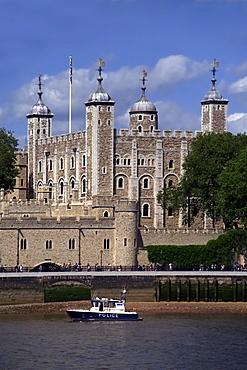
x=141 y=307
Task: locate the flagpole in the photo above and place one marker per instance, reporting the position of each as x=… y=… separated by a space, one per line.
x=70 y=94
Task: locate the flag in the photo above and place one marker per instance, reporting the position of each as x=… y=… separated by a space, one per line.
x=144 y=73
x=216 y=64
x=70 y=69
x=102 y=64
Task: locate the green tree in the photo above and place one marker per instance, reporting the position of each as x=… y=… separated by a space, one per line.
x=232 y=194
x=8 y=170
x=197 y=191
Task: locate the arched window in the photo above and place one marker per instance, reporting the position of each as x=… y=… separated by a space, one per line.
x=117 y=161
x=151 y=128
x=142 y=162
x=61 y=188
x=146 y=183
x=83 y=185
x=170 y=183
x=106 y=214
x=139 y=128
x=140 y=117
x=145 y=210
x=83 y=160
x=40 y=166
x=72 y=184
x=38 y=131
x=120 y=183
x=61 y=164
x=72 y=162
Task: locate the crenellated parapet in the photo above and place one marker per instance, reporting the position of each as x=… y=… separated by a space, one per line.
x=62 y=138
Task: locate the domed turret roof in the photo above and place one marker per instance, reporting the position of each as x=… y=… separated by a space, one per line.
x=40 y=108
x=213 y=93
x=100 y=95
x=143 y=104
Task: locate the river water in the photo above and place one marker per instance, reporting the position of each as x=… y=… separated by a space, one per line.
x=161 y=341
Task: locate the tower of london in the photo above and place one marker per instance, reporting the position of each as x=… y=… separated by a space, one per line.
x=92 y=194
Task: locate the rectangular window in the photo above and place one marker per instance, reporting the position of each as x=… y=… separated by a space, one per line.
x=23 y=244
x=106 y=243
x=72 y=243
x=125 y=242
x=48 y=244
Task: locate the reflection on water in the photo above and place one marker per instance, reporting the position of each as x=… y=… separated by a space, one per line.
x=160 y=341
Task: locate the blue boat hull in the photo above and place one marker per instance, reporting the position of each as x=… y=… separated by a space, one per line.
x=102 y=316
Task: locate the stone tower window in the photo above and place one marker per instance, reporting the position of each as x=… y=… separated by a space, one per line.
x=23 y=244
x=146 y=183
x=125 y=242
x=72 y=162
x=40 y=166
x=106 y=243
x=145 y=210
x=106 y=214
x=170 y=183
x=109 y=122
x=61 y=188
x=61 y=164
x=139 y=129
x=117 y=161
x=140 y=117
x=104 y=170
x=38 y=131
x=151 y=128
x=152 y=117
x=108 y=109
x=83 y=160
x=44 y=131
x=171 y=163
x=71 y=243
x=83 y=185
x=170 y=213
x=50 y=165
x=120 y=184
x=48 y=244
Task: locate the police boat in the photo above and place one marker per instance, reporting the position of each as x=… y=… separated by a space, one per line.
x=104 y=309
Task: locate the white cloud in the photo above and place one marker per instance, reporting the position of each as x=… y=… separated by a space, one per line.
x=237 y=123
x=124 y=87
x=239 y=86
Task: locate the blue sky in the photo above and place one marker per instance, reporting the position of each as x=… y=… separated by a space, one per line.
x=175 y=41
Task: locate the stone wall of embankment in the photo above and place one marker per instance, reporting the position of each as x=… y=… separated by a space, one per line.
x=140 y=288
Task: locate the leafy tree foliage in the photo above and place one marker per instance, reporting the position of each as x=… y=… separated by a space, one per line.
x=199 y=187
x=223 y=250
x=232 y=194
x=8 y=170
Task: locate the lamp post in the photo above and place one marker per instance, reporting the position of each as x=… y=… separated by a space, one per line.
x=101 y=258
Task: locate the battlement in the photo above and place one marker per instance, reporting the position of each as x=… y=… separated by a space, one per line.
x=179 y=134
x=63 y=138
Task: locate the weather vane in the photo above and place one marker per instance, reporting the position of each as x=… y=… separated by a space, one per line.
x=100 y=64
x=40 y=83
x=214 y=64
x=144 y=79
